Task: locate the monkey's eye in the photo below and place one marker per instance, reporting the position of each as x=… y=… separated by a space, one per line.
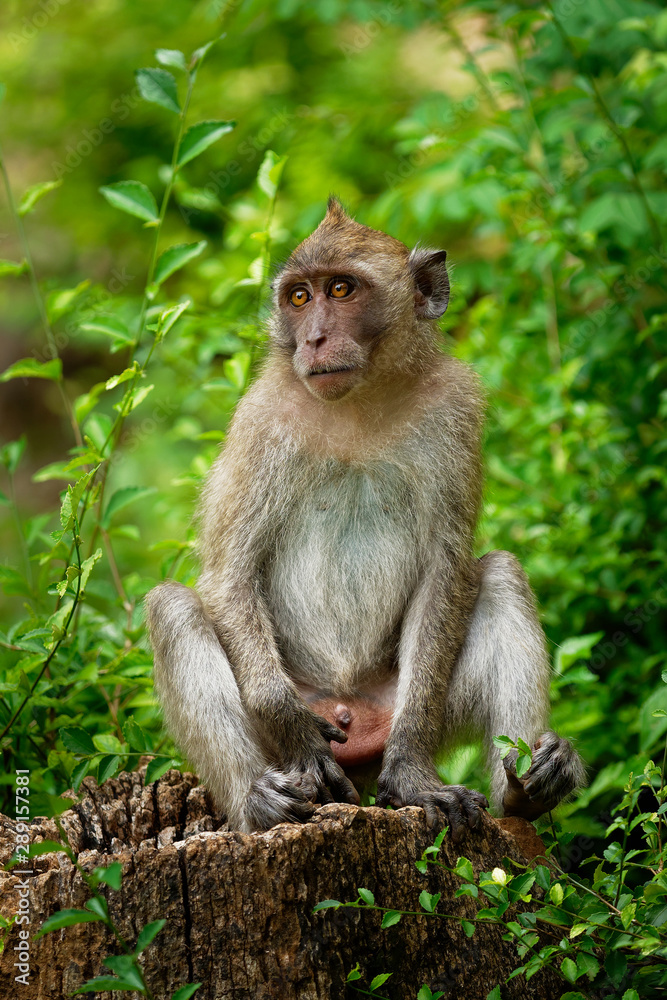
x=299 y=296
x=340 y=288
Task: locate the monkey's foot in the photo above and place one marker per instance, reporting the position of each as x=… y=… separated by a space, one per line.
x=556 y=772
x=453 y=805
x=274 y=798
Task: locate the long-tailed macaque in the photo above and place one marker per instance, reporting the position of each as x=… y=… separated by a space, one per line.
x=341 y=617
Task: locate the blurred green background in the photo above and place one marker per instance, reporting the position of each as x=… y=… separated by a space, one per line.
x=529 y=140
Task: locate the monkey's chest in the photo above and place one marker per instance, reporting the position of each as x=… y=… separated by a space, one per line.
x=343 y=570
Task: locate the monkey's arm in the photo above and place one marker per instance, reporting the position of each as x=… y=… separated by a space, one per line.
x=240 y=522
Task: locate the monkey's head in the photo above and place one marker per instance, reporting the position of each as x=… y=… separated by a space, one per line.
x=340 y=295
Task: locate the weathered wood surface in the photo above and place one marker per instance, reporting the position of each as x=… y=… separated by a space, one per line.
x=239 y=907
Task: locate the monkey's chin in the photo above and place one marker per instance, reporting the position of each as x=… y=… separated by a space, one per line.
x=331 y=385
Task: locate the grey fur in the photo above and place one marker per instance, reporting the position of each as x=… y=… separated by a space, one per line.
x=336 y=550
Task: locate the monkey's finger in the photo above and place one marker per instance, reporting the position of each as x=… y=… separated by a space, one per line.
x=451 y=807
x=330 y=733
x=434 y=817
x=472 y=810
x=308 y=784
x=339 y=783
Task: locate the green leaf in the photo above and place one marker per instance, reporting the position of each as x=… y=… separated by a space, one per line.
x=110 y=326
x=468 y=928
x=429 y=901
x=70 y=504
x=147 y=933
x=121 y=498
x=45 y=847
x=199 y=137
x=556 y=893
x=34 y=193
x=198 y=56
x=111 y=875
x=464 y=869
x=158 y=87
x=102 y=983
x=494 y=994
x=268 y=176
x=367 y=896
x=185 y=992
x=62 y=300
x=125 y=969
x=380 y=980
x=77 y=740
x=176 y=257
x=353 y=974
x=569 y=970
x=123 y=376
x=523 y=764
x=12 y=267
x=171 y=57
x=169 y=317
x=66 y=918
x=79 y=773
x=426 y=994
x=135 y=735
x=87 y=568
x=630 y=995
x=327 y=904
x=31 y=368
x=159 y=766
x=99 y=906
x=132 y=197
x=107 y=767
x=390 y=918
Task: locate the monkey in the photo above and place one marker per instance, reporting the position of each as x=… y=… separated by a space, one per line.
x=341 y=619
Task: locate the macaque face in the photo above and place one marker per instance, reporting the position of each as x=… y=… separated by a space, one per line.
x=332 y=321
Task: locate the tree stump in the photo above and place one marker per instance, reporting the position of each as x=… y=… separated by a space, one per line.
x=239 y=907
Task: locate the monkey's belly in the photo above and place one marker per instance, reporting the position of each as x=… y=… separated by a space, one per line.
x=364 y=718
x=341 y=577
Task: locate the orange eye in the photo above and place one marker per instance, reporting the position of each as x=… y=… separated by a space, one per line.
x=299 y=297
x=339 y=289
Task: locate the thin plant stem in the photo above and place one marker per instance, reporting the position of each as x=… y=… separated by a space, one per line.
x=37 y=293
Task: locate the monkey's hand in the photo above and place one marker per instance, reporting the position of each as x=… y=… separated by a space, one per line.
x=309 y=760
x=556 y=772
x=454 y=805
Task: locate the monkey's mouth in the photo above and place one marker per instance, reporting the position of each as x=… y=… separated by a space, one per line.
x=330 y=370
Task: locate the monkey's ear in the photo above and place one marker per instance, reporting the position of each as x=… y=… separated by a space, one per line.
x=429 y=272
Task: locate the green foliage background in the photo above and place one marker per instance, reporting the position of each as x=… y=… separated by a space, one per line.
x=527 y=139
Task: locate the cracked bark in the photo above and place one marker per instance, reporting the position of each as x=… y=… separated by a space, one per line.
x=239 y=907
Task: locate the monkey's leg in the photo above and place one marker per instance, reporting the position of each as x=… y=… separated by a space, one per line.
x=205 y=714
x=500 y=685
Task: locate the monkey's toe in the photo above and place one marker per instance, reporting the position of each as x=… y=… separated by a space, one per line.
x=556 y=772
x=453 y=805
x=274 y=798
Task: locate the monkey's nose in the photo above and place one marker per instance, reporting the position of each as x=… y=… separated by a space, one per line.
x=316 y=339
x=342 y=716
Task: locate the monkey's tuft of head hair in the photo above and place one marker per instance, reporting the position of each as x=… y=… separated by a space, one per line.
x=341 y=240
